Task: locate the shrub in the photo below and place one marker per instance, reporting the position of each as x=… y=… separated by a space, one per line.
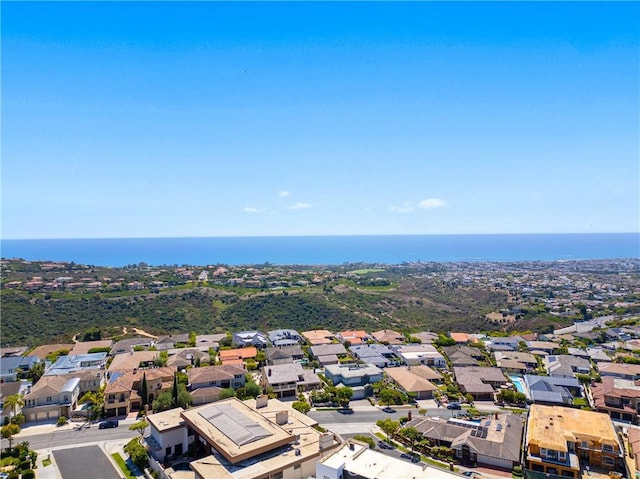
x=24 y=465
x=403 y=419
x=137 y=453
x=366 y=439
x=28 y=474
x=301 y=406
x=61 y=421
x=14 y=475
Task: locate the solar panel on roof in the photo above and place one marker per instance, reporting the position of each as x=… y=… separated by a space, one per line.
x=238 y=427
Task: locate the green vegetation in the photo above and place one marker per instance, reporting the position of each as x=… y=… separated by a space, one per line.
x=137 y=453
x=366 y=440
x=46 y=462
x=123 y=466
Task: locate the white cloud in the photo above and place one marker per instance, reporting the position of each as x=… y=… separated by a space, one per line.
x=283 y=194
x=405 y=208
x=299 y=206
x=250 y=209
x=432 y=203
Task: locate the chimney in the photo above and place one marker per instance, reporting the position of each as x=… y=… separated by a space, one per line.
x=282 y=418
x=409 y=415
x=268 y=371
x=352 y=446
x=326 y=440
x=261 y=401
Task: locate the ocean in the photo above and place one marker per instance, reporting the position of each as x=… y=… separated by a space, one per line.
x=329 y=250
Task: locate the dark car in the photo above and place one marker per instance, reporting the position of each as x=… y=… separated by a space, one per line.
x=454 y=405
x=404 y=455
x=388 y=409
x=108 y=424
x=345 y=410
x=384 y=445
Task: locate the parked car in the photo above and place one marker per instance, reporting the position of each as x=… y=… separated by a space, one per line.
x=347 y=410
x=108 y=424
x=388 y=409
x=384 y=445
x=454 y=405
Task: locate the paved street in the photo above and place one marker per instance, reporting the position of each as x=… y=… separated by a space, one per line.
x=52 y=437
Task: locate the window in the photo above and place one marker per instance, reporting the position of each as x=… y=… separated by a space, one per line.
x=608 y=461
x=48 y=398
x=607 y=448
x=584 y=445
x=296 y=467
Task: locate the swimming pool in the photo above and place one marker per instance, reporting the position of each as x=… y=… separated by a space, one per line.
x=518 y=383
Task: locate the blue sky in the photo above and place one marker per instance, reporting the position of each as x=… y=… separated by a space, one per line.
x=250 y=119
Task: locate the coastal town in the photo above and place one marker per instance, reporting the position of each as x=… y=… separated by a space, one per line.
x=287 y=403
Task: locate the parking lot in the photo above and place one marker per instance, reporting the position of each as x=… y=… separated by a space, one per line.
x=84 y=462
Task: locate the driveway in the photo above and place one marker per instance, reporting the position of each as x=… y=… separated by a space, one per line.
x=84 y=462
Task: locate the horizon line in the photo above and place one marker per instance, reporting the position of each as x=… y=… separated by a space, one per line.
x=321 y=236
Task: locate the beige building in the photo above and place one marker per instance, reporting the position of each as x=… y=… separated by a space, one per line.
x=256 y=439
x=122 y=393
x=562 y=441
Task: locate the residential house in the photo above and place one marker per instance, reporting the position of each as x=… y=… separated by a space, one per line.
x=353 y=374
x=425 y=372
x=411 y=383
x=619 y=370
x=14 y=388
x=475 y=353
x=122 y=393
x=493 y=442
x=168 y=436
x=619 y=398
x=318 y=336
x=244 y=339
x=133 y=360
x=425 y=337
x=237 y=356
x=129 y=344
x=634 y=450
x=542 y=348
x=414 y=354
x=220 y=376
x=460 y=338
x=507 y=343
x=206 y=341
x=523 y=361
x=480 y=382
x=284 y=354
x=561 y=441
x=45 y=350
x=354 y=460
x=91 y=380
x=164 y=343
x=11 y=366
x=77 y=363
x=261 y=438
x=566 y=366
x=353 y=337
x=285 y=380
x=85 y=347
x=377 y=354
x=552 y=389
x=327 y=354
x=51 y=397
x=388 y=336
x=13 y=351
x=284 y=337
x=184 y=358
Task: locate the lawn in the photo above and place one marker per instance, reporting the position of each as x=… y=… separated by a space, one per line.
x=46 y=462
x=123 y=466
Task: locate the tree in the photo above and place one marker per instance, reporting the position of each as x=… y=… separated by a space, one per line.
x=163 y=402
x=139 y=426
x=389 y=426
x=251 y=389
x=9 y=431
x=391 y=396
x=344 y=395
x=411 y=434
x=301 y=406
x=144 y=394
x=184 y=398
x=226 y=393
x=174 y=391
x=14 y=402
x=94 y=400
x=226 y=341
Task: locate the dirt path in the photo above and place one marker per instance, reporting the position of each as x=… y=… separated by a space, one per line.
x=141 y=332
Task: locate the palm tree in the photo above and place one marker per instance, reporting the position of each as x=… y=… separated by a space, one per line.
x=14 y=401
